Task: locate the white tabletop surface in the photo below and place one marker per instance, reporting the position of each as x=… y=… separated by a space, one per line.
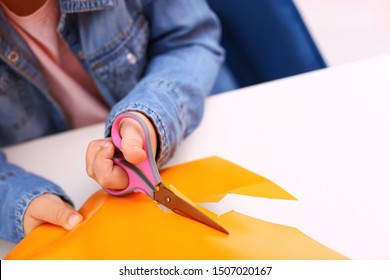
x=323 y=136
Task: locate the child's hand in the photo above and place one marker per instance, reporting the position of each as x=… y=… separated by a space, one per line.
x=50 y=208
x=100 y=165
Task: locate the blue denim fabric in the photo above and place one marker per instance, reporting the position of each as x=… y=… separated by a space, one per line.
x=158 y=57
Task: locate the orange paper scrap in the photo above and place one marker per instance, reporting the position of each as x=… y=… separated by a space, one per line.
x=135 y=227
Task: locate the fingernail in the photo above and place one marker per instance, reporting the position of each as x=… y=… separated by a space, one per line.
x=104 y=144
x=73 y=221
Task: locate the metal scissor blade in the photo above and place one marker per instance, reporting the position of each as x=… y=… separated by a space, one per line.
x=178 y=205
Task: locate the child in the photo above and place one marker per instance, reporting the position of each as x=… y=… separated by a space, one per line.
x=70 y=63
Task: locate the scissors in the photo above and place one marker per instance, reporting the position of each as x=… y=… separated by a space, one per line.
x=145 y=178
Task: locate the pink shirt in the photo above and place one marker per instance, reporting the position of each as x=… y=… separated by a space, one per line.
x=69 y=83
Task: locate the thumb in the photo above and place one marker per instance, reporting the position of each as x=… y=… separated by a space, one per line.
x=132 y=141
x=49 y=208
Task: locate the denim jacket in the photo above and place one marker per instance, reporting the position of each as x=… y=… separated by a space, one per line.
x=159 y=57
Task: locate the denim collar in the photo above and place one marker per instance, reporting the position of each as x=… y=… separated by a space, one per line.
x=76 y=6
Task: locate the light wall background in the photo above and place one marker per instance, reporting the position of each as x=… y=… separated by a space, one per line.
x=348 y=30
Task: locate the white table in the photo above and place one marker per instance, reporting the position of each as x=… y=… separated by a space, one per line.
x=322 y=136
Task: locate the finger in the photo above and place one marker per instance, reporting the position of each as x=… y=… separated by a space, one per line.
x=49 y=208
x=107 y=173
x=132 y=140
x=92 y=149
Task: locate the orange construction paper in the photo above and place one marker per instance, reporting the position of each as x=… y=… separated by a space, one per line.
x=209 y=180
x=134 y=226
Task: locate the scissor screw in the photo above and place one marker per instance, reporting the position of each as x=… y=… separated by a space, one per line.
x=167 y=199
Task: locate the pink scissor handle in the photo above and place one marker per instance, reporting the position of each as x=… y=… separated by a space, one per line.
x=143 y=177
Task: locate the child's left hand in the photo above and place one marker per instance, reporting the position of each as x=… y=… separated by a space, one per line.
x=50 y=208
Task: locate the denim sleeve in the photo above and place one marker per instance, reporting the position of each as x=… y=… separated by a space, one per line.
x=185 y=58
x=17 y=189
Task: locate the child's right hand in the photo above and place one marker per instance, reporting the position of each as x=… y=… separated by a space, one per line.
x=99 y=156
x=50 y=208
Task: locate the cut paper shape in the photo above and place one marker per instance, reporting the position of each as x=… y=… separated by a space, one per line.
x=134 y=227
x=209 y=180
